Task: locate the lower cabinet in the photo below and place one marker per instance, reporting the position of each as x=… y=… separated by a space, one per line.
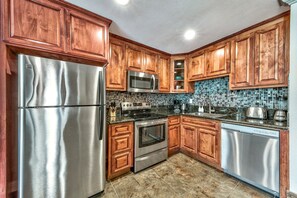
x=201 y=139
x=120 y=149
x=173 y=135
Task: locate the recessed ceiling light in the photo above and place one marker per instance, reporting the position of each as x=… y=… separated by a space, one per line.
x=122 y=2
x=189 y=34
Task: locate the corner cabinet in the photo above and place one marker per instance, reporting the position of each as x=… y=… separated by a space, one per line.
x=260 y=58
x=56 y=27
x=120 y=149
x=116 y=69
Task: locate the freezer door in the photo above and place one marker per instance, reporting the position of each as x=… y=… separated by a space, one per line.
x=60 y=152
x=47 y=82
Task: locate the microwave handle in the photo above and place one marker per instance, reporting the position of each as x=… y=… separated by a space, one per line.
x=154 y=82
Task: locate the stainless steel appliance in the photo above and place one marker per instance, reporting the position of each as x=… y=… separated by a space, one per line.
x=280 y=115
x=150 y=135
x=61 y=130
x=256 y=113
x=142 y=82
x=252 y=155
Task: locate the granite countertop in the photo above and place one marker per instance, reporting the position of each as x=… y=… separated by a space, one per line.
x=228 y=117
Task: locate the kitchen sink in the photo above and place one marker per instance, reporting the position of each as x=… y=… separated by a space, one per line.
x=209 y=115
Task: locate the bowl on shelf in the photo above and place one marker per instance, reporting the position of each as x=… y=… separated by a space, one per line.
x=178 y=87
x=178 y=78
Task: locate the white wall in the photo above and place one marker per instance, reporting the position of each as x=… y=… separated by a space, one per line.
x=293 y=99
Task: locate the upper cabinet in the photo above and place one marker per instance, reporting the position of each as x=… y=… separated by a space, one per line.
x=197 y=69
x=164 y=73
x=134 y=58
x=86 y=35
x=35 y=23
x=260 y=57
x=242 y=70
x=116 y=70
x=56 y=27
x=270 y=55
x=218 y=60
x=150 y=61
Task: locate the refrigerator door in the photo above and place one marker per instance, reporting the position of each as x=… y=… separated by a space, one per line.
x=60 y=152
x=46 y=82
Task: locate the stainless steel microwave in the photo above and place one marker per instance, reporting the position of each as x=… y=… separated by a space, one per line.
x=142 y=82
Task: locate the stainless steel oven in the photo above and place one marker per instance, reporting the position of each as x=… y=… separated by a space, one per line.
x=150 y=143
x=142 y=82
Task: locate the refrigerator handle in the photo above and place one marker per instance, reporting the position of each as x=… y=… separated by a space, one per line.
x=101 y=123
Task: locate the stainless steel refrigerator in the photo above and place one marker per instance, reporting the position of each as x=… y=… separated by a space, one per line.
x=61 y=129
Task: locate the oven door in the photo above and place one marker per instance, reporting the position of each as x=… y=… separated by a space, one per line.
x=150 y=136
x=142 y=82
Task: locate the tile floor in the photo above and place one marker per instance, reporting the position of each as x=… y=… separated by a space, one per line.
x=180 y=176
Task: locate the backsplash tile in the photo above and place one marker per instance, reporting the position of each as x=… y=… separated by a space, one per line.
x=216 y=91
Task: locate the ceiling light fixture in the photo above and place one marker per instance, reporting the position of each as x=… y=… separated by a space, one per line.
x=189 y=34
x=122 y=2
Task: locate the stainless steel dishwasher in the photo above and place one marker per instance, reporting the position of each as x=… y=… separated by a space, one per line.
x=252 y=155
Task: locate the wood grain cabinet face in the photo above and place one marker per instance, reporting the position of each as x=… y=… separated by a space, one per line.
x=87 y=36
x=197 y=67
x=242 y=71
x=134 y=58
x=207 y=145
x=164 y=74
x=270 y=55
x=174 y=138
x=120 y=149
x=39 y=23
x=218 y=60
x=188 y=138
x=150 y=61
x=116 y=70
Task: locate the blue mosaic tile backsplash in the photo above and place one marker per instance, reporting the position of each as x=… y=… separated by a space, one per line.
x=216 y=91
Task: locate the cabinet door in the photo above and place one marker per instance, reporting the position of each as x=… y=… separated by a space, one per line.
x=197 y=67
x=150 y=61
x=242 y=69
x=188 y=138
x=121 y=162
x=121 y=143
x=173 y=139
x=208 y=145
x=134 y=58
x=116 y=70
x=218 y=60
x=164 y=74
x=36 y=23
x=87 y=36
x=270 y=56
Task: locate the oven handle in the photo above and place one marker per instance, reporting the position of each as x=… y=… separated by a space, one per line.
x=149 y=123
x=154 y=82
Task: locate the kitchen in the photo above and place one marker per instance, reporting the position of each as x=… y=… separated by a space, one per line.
x=203 y=93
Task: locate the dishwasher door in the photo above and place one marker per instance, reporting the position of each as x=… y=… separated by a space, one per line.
x=252 y=157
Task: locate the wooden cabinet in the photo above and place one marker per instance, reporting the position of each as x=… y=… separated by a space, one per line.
x=36 y=23
x=218 y=60
x=201 y=139
x=87 y=35
x=173 y=135
x=197 y=69
x=134 y=58
x=57 y=28
x=150 y=61
x=270 y=55
x=120 y=149
x=260 y=57
x=242 y=67
x=164 y=74
x=179 y=78
x=116 y=70
x=189 y=138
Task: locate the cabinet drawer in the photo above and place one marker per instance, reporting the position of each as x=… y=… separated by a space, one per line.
x=202 y=123
x=173 y=120
x=121 y=143
x=123 y=128
x=121 y=161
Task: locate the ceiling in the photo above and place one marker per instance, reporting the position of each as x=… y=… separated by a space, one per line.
x=161 y=23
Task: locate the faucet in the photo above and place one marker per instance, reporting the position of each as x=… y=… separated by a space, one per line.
x=210 y=110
